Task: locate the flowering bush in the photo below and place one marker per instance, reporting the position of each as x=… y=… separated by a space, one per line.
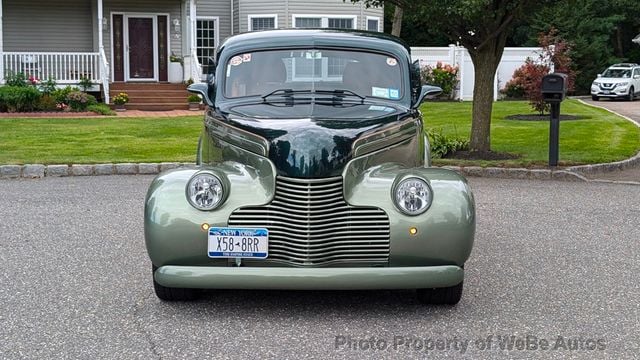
x=121 y=99
x=443 y=75
x=78 y=100
x=34 y=80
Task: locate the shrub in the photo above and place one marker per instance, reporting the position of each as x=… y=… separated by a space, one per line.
x=443 y=145
x=48 y=87
x=16 y=79
x=18 y=98
x=102 y=109
x=85 y=83
x=47 y=103
x=79 y=101
x=193 y=98
x=445 y=76
x=61 y=94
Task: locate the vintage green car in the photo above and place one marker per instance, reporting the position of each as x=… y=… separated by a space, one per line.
x=313 y=172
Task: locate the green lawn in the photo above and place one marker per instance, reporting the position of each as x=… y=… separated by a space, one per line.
x=601 y=137
x=98 y=140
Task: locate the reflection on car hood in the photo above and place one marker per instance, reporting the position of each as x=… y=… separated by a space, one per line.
x=612 y=80
x=312 y=140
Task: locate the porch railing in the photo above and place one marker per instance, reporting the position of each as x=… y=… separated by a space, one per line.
x=105 y=75
x=65 y=68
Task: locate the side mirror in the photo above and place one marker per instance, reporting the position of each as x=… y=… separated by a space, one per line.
x=427 y=92
x=201 y=89
x=636 y=77
x=599 y=75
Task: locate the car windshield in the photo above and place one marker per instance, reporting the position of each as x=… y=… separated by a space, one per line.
x=355 y=74
x=617 y=73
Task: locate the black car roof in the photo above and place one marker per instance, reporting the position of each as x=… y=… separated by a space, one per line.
x=288 y=38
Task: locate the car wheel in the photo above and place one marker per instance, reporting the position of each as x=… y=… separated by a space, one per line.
x=594 y=98
x=632 y=93
x=172 y=294
x=441 y=296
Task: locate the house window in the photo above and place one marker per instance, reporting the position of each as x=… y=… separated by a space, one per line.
x=373 y=23
x=324 y=21
x=262 y=22
x=340 y=23
x=306 y=22
x=206 y=40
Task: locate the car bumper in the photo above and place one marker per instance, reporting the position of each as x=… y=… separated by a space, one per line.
x=622 y=92
x=288 y=278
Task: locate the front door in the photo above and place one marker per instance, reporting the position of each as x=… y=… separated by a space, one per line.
x=141 y=48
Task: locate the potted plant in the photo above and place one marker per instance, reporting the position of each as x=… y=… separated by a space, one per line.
x=175 y=69
x=119 y=101
x=194 y=102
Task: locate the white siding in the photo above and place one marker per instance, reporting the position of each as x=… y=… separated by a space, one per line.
x=333 y=7
x=221 y=9
x=40 y=25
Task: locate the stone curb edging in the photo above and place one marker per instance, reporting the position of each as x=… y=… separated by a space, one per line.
x=36 y=171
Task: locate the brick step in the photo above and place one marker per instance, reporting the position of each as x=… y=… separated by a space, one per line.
x=157 y=100
x=157 y=106
x=153 y=93
x=145 y=86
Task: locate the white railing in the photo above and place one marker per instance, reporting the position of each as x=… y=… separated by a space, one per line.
x=65 y=68
x=196 y=68
x=104 y=74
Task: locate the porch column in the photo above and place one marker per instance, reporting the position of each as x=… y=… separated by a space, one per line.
x=1 y=48
x=100 y=36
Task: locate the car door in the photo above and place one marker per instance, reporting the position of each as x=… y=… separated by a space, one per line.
x=636 y=79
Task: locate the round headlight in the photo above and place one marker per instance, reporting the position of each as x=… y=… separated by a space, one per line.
x=205 y=191
x=412 y=196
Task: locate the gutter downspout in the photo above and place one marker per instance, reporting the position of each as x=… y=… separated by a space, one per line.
x=232 y=24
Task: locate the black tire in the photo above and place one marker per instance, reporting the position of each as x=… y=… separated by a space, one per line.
x=172 y=294
x=440 y=296
x=594 y=98
x=632 y=94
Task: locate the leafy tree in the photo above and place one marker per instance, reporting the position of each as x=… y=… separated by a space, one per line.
x=591 y=27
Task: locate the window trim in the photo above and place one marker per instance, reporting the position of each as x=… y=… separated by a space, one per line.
x=216 y=39
x=250 y=18
x=377 y=18
x=324 y=19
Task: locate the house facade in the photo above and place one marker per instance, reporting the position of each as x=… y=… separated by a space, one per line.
x=119 y=41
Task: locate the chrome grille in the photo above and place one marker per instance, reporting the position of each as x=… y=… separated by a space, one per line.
x=310 y=224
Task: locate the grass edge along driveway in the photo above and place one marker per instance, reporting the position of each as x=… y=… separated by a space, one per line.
x=600 y=137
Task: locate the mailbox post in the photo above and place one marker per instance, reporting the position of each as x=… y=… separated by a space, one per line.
x=554 y=90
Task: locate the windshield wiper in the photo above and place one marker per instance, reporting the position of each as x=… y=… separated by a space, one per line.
x=340 y=93
x=285 y=93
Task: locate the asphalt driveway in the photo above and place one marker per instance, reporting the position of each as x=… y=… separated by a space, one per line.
x=554 y=262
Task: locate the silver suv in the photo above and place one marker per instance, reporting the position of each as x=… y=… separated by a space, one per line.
x=618 y=81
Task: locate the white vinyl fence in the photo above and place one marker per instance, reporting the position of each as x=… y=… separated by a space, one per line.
x=513 y=58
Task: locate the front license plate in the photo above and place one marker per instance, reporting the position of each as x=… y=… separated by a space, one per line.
x=606 y=92
x=226 y=242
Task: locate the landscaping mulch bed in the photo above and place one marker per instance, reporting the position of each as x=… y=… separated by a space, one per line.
x=546 y=117
x=52 y=114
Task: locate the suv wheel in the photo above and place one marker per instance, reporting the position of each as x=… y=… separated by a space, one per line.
x=172 y=294
x=594 y=98
x=632 y=94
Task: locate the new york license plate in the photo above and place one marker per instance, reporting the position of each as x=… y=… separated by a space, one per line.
x=226 y=242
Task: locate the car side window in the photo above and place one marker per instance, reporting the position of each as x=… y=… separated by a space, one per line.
x=636 y=72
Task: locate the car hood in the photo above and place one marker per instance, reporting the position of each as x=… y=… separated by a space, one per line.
x=612 y=80
x=313 y=140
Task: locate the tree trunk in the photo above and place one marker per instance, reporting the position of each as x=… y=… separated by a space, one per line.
x=397 y=21
x=485 y=62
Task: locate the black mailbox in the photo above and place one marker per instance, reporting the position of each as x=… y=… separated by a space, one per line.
x=554 y=87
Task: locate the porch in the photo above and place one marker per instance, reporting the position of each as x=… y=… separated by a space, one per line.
x=103 y=41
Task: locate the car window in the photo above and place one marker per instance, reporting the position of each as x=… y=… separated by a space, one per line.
x=617 y=73
x=362 y=73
